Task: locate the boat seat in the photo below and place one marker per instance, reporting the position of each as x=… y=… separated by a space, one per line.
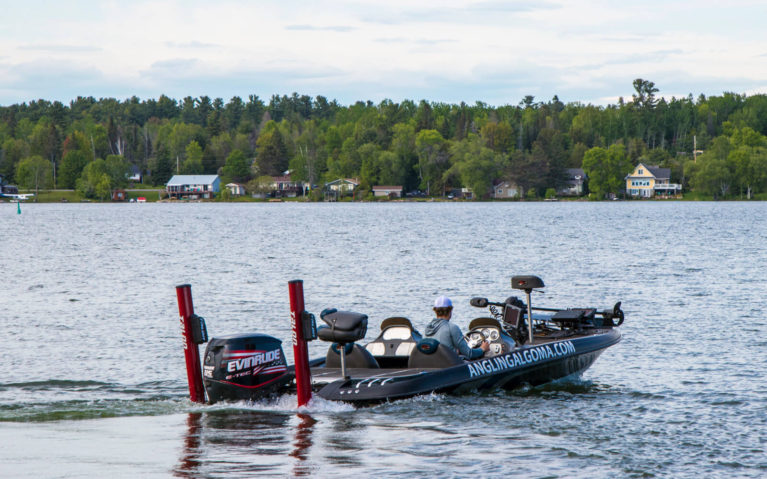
x=355 y=356
x=397 y=338
x=342 y=326
x=430 y=354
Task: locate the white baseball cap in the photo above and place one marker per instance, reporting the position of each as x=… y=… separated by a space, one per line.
x=443 y=302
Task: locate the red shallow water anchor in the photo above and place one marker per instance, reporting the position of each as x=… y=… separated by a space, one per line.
x=302 y=324
x=193 y=332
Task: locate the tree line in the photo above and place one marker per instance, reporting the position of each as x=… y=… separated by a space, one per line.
x=92 y=145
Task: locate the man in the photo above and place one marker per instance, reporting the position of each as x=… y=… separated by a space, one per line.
x=449 y=334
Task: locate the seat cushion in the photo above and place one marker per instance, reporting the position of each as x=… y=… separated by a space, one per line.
x=327 y=333
x=430 y=354
x=342 y=326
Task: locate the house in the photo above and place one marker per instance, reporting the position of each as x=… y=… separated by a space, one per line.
x=235 y=189
x=193 y=187
x=340 y=187
x=505 y=189
x=576 y=182
x=5 y=189
x=388 y=191
x=135 y=174
x=283 y=186
x=651 y=181
x=119 y=195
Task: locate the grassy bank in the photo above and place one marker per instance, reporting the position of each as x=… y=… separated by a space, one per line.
x=154 y=194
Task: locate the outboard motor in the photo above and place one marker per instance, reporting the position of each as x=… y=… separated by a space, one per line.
x=244 y=367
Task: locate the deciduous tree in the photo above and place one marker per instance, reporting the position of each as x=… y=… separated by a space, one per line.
x=34 y=173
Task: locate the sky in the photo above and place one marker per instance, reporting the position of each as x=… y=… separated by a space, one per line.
x=495 y=52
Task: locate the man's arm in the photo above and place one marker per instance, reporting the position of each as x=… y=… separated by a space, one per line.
x=463 y=347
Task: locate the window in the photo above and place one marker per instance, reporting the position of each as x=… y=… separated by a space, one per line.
x=641 y=172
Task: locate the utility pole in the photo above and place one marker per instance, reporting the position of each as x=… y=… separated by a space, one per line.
x=695 y=150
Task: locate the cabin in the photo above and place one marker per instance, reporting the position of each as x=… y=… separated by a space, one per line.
x=575 y=184
x=651 y=181
x=503 y=189
x=135 y=174
x=285 y=187
x=340 y=187
x=342 y=184
x=193 y=187
x=387 y=191
x=236 y=189
x=119 y=195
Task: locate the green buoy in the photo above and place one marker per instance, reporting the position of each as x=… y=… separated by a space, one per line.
x=18 y=208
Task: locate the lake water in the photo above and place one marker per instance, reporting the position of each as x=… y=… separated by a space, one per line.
x=93 y=381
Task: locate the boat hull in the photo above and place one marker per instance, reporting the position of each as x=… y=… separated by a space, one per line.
x=534 y=365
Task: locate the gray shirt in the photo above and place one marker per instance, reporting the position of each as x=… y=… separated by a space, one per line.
x=450 y=335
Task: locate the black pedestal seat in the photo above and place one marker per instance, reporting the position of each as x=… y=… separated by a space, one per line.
x=343 y=329
x=430 y=354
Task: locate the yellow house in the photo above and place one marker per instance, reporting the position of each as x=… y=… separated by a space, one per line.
x=650 y=181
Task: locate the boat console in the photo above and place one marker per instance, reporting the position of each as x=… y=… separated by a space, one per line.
x=489 y=329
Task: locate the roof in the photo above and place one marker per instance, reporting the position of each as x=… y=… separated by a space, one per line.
x=499 y=181
x=574 y=173
x=660 y=173
x=656 y=171
x=235 y=184
x=178 y=180
x=353 y=181
x=387 y=187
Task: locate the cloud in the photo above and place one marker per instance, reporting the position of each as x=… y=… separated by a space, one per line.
x=50 y=80
x=481 y=13
x=328 y=28
x=511 y=7
x=59 y=48
x=192 y=44
x=419 y=41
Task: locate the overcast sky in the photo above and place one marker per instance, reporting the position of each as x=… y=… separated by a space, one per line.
x=448 y=51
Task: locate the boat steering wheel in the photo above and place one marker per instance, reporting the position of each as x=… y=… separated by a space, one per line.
x=475 y=338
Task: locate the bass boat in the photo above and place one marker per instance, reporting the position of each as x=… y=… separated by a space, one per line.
x=528 y=345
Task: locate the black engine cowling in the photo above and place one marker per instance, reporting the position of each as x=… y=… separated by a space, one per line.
x=243 y=367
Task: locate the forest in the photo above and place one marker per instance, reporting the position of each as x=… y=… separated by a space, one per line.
x=715 y=146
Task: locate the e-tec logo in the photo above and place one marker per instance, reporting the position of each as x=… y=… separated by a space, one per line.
x=250 y=359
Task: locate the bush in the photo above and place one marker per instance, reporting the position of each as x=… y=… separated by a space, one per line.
x=551 y=193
